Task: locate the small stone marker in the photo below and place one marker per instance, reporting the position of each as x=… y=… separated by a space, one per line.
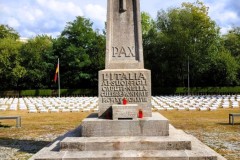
x=123 y=112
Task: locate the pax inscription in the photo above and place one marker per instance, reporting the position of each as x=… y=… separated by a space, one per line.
x=123 y=52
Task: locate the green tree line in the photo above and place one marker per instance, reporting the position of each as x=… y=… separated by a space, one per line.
x=187 y=36
x=32 y=64
x=177 y=39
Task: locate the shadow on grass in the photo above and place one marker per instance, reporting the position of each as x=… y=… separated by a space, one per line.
x=227 y=124
x=27 y=146
x=4 y=126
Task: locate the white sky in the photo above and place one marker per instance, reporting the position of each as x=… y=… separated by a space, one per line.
x=32 y=17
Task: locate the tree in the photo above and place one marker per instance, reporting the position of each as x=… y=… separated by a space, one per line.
x=181 y=34
x=38 y=59
x=81 y=52
x=11 y=70
x=8 y=32
x=149 y=35
x=10 y=63
x=232 y=41
x=223 y=70
x=147 y=22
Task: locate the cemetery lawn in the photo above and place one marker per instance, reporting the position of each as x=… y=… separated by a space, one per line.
x=39 y=129
x=211 y=127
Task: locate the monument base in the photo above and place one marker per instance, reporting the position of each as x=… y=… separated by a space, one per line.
x=177 y=146
x=157 y=125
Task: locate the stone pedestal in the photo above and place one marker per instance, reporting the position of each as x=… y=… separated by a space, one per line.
x=156 y=125
x=133 y=84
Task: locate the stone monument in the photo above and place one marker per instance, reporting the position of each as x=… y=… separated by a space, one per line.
x=124 y=74
x=117 y=131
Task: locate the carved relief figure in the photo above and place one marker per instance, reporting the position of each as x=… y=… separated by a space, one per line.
x=122 y=6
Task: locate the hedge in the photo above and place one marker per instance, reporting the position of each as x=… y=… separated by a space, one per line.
x=94 y=92
x=49 y=92
x=197 y=90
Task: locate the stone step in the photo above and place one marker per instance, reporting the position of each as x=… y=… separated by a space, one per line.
x=198 y=151
x=124 y=143
x=133 y=155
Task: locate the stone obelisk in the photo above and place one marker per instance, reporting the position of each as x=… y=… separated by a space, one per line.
x=124 y=74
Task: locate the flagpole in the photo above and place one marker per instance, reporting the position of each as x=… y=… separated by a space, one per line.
x=59 y=89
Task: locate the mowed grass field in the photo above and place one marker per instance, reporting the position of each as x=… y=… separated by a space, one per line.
x=212 y=128
x=39 y=129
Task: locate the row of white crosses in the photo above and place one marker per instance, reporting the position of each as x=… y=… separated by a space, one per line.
x=86 y=104
x=201 y=103
x=43 y=105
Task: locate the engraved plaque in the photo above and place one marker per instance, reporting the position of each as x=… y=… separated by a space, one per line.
x=129 y=111
x=134 y=85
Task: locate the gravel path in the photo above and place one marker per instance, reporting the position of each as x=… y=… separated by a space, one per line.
x=221 y=141
x=23 y=149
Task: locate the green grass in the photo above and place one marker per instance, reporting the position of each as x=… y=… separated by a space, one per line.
x=37 y=131
x=210 y=127
x=37 y=124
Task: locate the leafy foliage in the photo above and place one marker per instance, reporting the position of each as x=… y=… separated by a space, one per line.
x=38 y=60
x=188 y=34
x=232 y=41
x=147 y=22
x=177 y=37
x=10 y=61
x=8 y=32
x=81 y=51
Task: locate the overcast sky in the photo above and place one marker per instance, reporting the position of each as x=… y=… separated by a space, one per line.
x=32 y=17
